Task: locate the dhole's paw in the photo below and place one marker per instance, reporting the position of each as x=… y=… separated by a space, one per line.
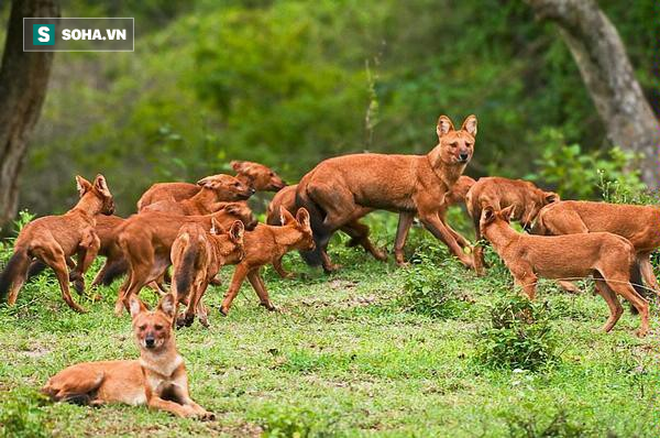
x=216 y=281
x=224 y=311
x=206 y=416
x=380 y=255
x=119 y=308
x=289 y=276
x=269 y=306
x=329 y=269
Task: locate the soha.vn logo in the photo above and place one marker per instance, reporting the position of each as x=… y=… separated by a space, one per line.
x=43 y=34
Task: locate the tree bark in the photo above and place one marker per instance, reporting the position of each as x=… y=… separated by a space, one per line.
x=23 y=84
x=608 y=75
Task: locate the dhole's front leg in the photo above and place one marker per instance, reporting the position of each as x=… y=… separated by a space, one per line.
x=260 y=288
x=236 y=281
x=647 y=272
x=432 y=222
x=156 y=402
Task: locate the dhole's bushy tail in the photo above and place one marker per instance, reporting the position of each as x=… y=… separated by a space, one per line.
x=114 y=271
x=312 y=258
x=185 y=271
x=18 y=265
x=638 y=284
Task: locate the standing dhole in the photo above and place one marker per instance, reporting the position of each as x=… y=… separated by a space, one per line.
x=197 y=256
x=608 y=257
x=53 y=239
x=267 y=244
x=340 y=190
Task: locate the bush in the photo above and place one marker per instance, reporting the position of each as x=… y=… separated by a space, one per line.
x=519 y=335
x=529 y=427
x=432 y=290
x=574 y=172
x=295 y=422
x=21 y=416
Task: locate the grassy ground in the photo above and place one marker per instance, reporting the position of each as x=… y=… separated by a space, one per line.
x=343 y=357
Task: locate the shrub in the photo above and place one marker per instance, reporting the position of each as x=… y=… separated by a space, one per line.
x=529 y=427
x=519 y=335
x=578 y=173
x=433 y=290
x=295 y=422
x=21 y=416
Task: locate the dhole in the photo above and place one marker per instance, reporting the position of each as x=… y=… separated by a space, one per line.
x=197 y=256
x=639 y=224
x=215 y=191
x=255 y=175
x=53 y=239
x=287 y=198
x=608 y=257
x=146 y=242
x=499 y=193
x=267 y=244
x=340 y=190
x=158 y=379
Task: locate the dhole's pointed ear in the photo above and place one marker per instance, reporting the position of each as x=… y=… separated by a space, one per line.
x=82 y=185
x=135 y=306
x=550 y=197
x=216 y=228
x=507 y=212
x=286 y=217
x=238 y=166
x=102 y=185
x=210 y=182
x=302 y=216
x=470 y=125
x=445 y=125
x=167 y=305
x=236 y=232
x=487 y=215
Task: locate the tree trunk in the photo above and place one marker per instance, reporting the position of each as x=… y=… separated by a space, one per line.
x=23 y=84
x=609 y=77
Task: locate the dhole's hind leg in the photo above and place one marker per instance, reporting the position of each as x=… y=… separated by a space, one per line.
x=569 y=287
x=402 y=229
x=17 y=284
x=616 y=310
x=647 y=272
x=87 y=252
x=78 y=388
x=359 y=233
x=621 y=285
x=54 y=257
x=236 y=281
x=277 y=265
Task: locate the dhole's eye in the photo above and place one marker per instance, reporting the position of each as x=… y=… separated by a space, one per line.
x=143 y=327
x=158 y=327
x=454 y=145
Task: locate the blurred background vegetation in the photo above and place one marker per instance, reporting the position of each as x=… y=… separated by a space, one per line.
x=288 y=83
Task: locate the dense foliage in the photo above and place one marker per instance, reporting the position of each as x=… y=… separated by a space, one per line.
x=291 y=82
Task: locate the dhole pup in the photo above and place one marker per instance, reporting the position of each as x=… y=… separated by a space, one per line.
x=197 y=256
x=499 y=193
x=158 y=379
x=53 y=239
x=146 y=241
x=267 y=244
x=342 y=189
x=639 y=224
x=608 y=257
x=255 y=175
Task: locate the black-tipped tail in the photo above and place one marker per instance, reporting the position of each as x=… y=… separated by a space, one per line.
x=312 y=258
x=18 y=265
x=184 y=273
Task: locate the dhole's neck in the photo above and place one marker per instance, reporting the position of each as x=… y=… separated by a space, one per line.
x=448 y=173
x=202 y=198
x=89 y=205
x=165 y=361
x=287 y=236
x=500 y=234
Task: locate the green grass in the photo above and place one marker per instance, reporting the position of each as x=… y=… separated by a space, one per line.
x=343 y=357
